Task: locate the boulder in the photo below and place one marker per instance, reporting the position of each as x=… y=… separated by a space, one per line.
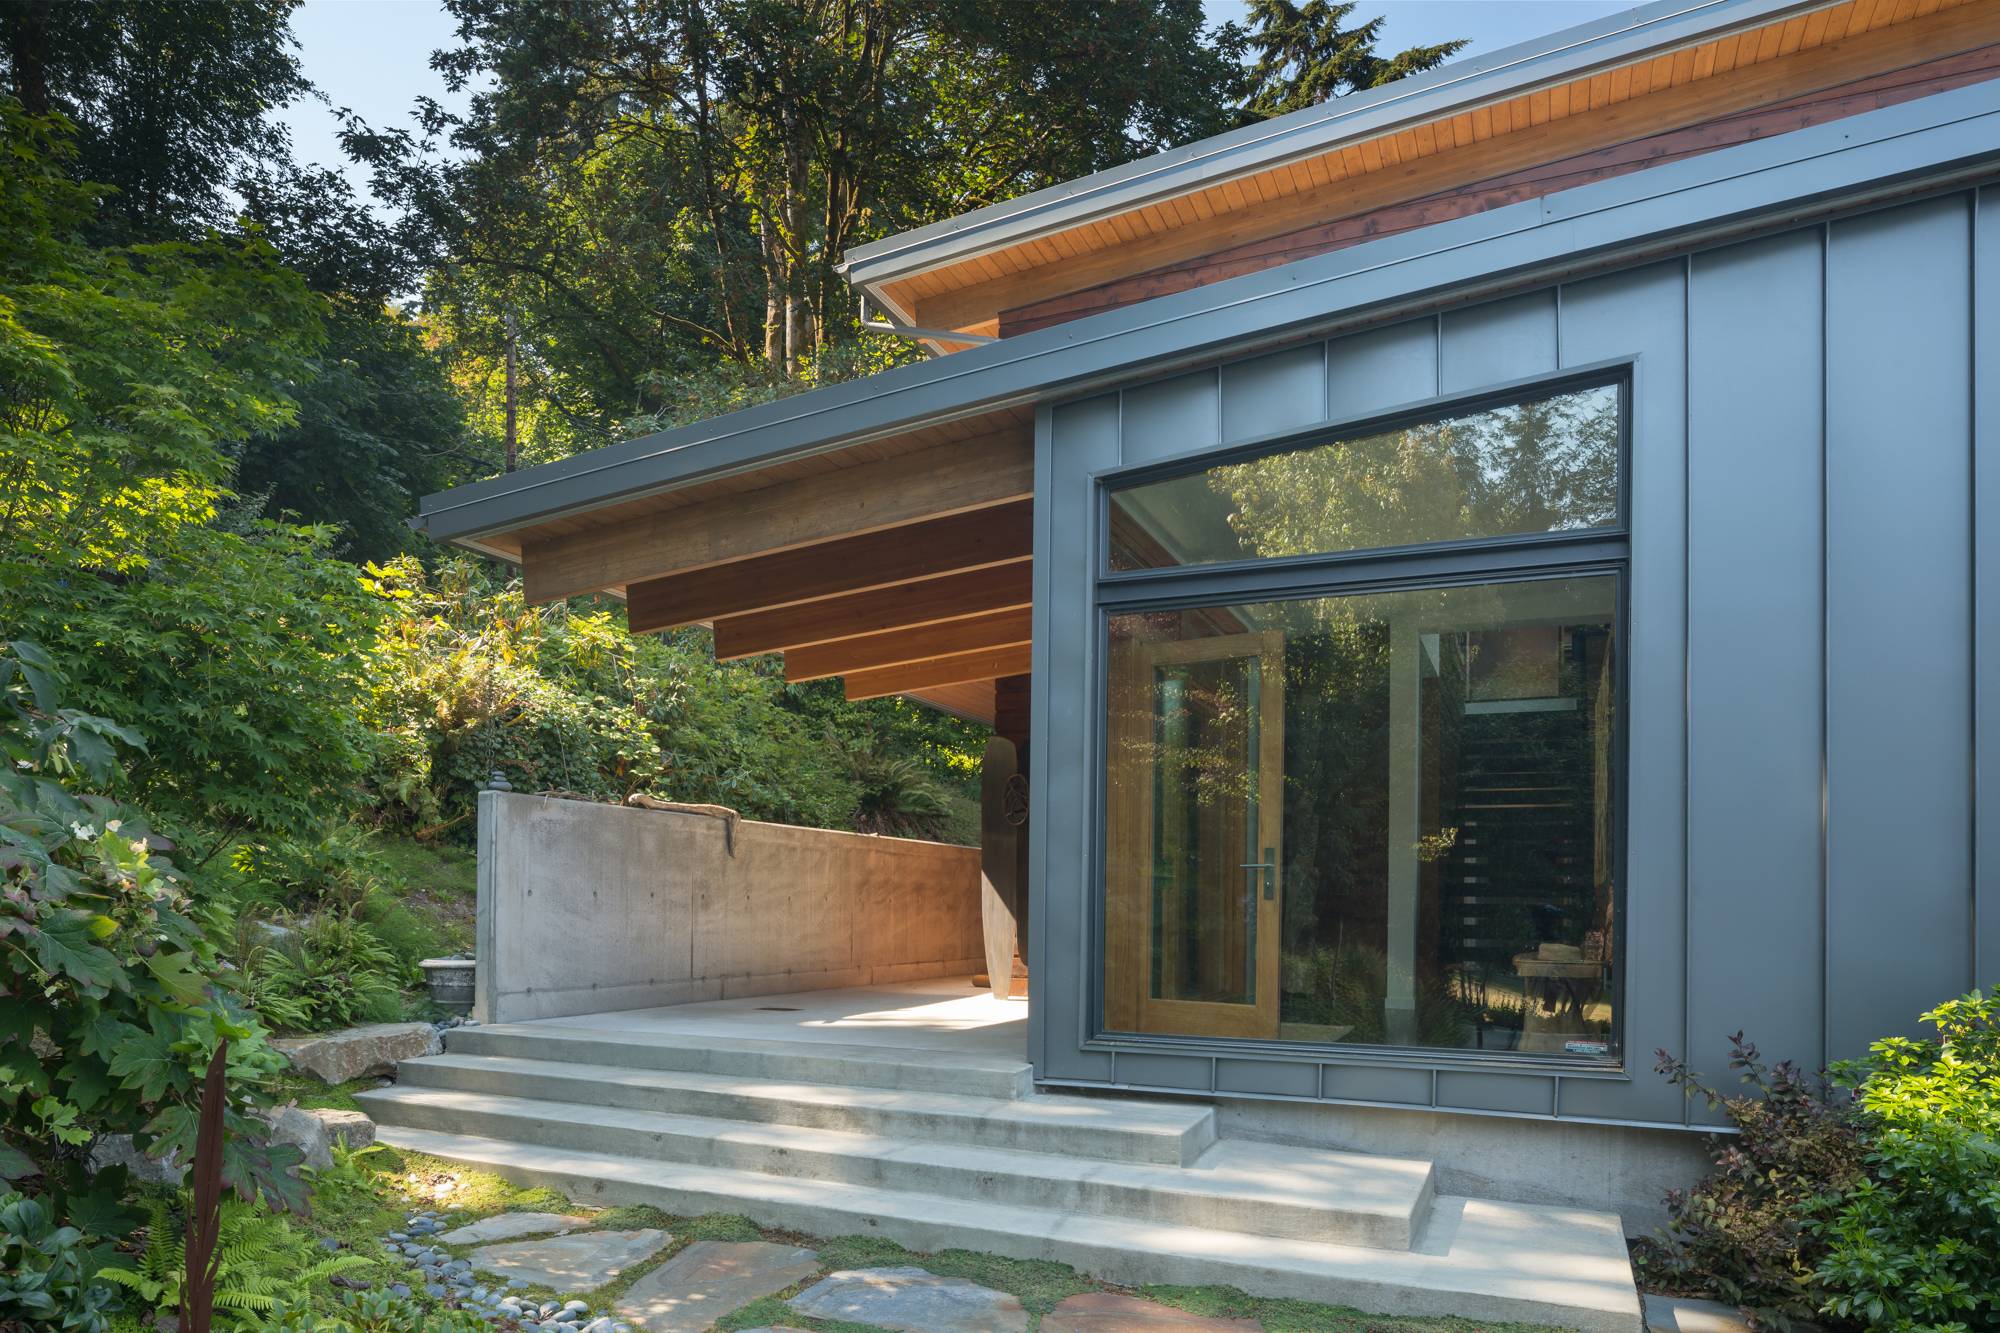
x=314 y=1132
x=364 y=1052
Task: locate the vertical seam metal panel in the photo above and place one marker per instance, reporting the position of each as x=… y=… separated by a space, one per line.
x=1687 y=670
x=1039 y=681
x=1825 y=661
x=1972 y=576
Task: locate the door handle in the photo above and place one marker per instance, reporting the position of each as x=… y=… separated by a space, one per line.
x=1269 y=866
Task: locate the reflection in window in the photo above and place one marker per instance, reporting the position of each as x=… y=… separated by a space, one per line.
x=1547 y=465
x=1379 y=819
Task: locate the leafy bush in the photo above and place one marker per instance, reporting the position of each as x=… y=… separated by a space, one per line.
x=329 y=971
x=262 y=1261
x=1915 y=1243
x=45 y=1280
x=109 y=1010
x=898 y=794
x=374 y=1312
x=1747 y=1234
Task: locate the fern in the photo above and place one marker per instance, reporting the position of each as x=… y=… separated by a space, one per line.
x=261 y=1263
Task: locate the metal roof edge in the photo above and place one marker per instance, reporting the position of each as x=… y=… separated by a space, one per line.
x=1421 y=97
x=1762 y=181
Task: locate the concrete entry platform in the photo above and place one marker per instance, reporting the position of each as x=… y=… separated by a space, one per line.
x=941 y=1014
x=908 y=1111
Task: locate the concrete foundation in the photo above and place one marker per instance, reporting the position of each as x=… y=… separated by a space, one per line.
x=1608 y=1168
x=585 y=908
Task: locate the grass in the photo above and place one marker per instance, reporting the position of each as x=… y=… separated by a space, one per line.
x=372 y=1192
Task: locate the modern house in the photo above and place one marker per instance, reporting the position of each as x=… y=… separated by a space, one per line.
x=1482 y=581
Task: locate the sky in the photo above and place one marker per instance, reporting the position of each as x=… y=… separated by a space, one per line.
x=373 y=56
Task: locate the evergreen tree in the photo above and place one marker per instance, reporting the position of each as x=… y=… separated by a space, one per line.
x=1304 y=56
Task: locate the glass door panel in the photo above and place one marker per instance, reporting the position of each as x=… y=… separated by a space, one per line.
x=1201 y=727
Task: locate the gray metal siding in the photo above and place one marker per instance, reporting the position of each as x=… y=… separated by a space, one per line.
x=1755 y=482
x=1898 y=616
x=1803 y=619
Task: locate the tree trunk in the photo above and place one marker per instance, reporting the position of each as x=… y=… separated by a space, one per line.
x=28 y=53
x=513 y=453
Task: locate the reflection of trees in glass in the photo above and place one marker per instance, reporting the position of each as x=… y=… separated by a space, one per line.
x=1545 y=466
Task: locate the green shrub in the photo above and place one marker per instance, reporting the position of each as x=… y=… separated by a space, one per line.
x=45 y=1280
x=330 y=971
x=1915 y=1244
x=109 y=1001
x=1746 y=1234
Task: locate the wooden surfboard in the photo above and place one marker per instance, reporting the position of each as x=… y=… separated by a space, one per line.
x=999 y=864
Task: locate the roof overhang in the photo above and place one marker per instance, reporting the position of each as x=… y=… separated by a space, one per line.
x=1693 y=57
x=1936 y=142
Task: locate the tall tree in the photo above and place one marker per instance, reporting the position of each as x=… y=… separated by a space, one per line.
x=650 y=186
x=1303 y=56
x=170 y=98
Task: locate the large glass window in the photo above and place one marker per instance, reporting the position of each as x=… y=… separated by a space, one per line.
x=1367 y=816
x=1546 y=465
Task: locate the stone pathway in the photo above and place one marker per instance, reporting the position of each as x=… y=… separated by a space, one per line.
x=1103 y=1312
x=710 y=1278
x=513 y=1226
x=580 y=1261
x=911 y=1300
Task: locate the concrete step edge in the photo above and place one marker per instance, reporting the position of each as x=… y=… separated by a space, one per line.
x=1158 y=1130
x=1382 y=1208
x=844 y=1062
x=1478 y=1259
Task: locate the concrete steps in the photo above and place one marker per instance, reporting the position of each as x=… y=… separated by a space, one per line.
x=1252 y=1188
x=937 y=1149
x=1121 y=1131
x=1477 y=1259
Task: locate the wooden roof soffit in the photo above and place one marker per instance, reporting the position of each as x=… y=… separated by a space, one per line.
x=1803 y=53
x=903 y=606
x=985 y=664
x=984 y=538
x=900 y=647
x=957 y=477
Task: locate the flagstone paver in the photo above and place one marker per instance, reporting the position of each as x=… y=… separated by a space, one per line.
x=911 y=1300
x=1105 y=1312
x=513 y=1226
x=580 y=1261
x=708 y=1279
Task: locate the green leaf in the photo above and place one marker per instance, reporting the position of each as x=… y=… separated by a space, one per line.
x=147 y=1065
x=63 y=946
x=14 y=1163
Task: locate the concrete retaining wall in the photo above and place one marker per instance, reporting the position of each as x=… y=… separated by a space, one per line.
x=586 y=907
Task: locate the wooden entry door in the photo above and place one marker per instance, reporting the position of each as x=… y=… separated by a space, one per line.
x=1194 y=883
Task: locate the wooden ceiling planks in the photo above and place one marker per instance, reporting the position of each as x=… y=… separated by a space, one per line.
x=897 y=647
x=1001 y=535
x=904 y=606
x=1789 y=57
x=958 y=668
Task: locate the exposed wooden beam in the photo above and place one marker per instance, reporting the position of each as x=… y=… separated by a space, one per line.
x=904 y=606
x=949 y=478
x=1003 y=629
x=987 y=664
x=981 y=539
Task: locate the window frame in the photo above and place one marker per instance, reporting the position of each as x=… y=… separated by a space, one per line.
x=1570 y=553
